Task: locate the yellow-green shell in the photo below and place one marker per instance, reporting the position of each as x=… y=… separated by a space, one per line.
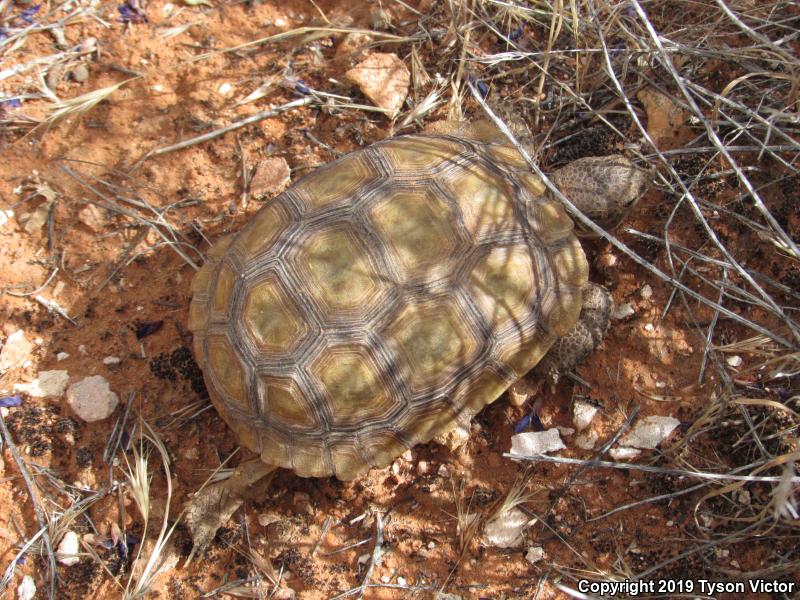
x=381 y=299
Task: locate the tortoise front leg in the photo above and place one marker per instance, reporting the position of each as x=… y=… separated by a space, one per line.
x=213 y=505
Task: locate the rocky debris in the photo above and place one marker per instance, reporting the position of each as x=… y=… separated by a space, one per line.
x=650 y=432
x=646 y=292
x=734 y=361
x=80 y=73
x=48 y=384
x=534 y=554
x=624 y=453
x=92 y=398
x=586 y=439
x=16 y=351
x=27 y=589
x=622 y=311
x=384 y=79
x=505 y=530
x=67 y=552
x=271 y=177
x=532 y=443
x=93 y=217
x=582 y=414
x=111 y=360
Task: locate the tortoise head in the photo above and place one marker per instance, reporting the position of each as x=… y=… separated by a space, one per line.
x=604 y=188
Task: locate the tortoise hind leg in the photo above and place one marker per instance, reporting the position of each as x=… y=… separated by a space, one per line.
x=213 y=505
x=592 y=325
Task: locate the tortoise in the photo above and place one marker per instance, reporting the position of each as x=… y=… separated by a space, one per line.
x=385 y=298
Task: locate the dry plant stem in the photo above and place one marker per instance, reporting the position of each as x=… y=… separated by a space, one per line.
x=648 y=469
x=591 y=225
x=260 y=116
x=712 y=135
x=40 y=517
x=377 y=551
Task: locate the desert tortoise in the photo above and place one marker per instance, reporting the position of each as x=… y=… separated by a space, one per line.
x=390 y=295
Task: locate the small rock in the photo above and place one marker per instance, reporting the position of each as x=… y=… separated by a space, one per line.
x=407 y=456
x=534 y=554
x=284 y=594
x=646 y=292
x=93 y=217
x=27 y=589
x=401 y=581
x=62 y=356
x=271 y=177
x=582 y=414
x=443 y=471
x=225 y=89
x=734 y=361
x=80 y=73
x=522 y=390
x=385 y=579
x=16 y=351
x=650 y=432
x=353 y=43
x=112 y=360
x=92 y=399
x=431 y=545
x=566 y=431
x=67 y=552
x=586 y=440
x=623 y=311
x=623 y=453
x=532 y=443
x=384 y=79
x=423 y=468
x=49 y=384
x=506 y=529
x=744 y=497
x=265 y=519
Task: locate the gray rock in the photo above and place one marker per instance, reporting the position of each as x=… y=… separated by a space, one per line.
x=92 y=398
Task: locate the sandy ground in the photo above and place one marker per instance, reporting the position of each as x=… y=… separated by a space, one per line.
x=117 y=279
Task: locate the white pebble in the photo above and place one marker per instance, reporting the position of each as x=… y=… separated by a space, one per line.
x=534 y=554
x=27 y=589
x=62 y=356
x=49 y=384
x=623 y=311
x=532 y=443
x=67 y=552
x=649 y=327
x=385 y=579
x=82 y=349
x=650 y=432
x=586 y=439
x=167 y=9
x=92 y=399
x=280 y=22
x=401 y=581
x=734 y=361
x=112 y=360
x=443 y=472
x=623 y=453
x=431 y=545
x=225 y=89
x=646 y=292
x=16 y=350
x=582 y=414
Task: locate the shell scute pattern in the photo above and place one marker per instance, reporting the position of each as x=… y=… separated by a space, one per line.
x=381 y=299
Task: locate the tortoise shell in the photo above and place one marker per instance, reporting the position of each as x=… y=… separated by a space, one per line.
x=382 y=299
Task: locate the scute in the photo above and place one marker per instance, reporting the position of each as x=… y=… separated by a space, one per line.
x=383 y=298
x=433 y=343
x=419 y=233
x=271 y=316
x=352 y=385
